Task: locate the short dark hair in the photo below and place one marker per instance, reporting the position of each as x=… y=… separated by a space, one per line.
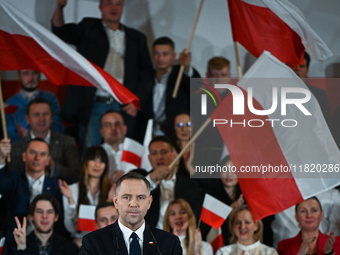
x=107 y=112
x=103 y=205
x=307 y=57
x=161 y=138
x=164 y=40
x=36 y=139
x=37 y=100
x=45 y=197
x=315 y=198
x=133 y=176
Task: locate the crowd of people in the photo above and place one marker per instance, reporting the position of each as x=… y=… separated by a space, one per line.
x=47 y=172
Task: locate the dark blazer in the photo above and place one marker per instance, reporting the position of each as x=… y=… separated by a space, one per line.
x=91 y=41
x=182 y=101
x=63 y=151
x=185 y=188
x=109 y=240
x=60 y=246
x=15 y=191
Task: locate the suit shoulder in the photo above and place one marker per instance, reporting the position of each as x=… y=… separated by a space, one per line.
x=134 y=32
x=99 y=234
x=63 y=138
x=162 y=234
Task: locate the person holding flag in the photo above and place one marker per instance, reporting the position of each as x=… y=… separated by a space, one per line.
x=119 y=50
x=180 y=220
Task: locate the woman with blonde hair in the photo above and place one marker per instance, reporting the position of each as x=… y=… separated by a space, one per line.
x=180 y=220
x=93 y=188
x=246 y=235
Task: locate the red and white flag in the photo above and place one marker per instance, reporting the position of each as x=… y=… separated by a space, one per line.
x=2 y=242
x=214 y=212
x=276 y=26
x=131 y=155
x=215 y=238
x=25 y=44
x=86 y=218
x=281 y=160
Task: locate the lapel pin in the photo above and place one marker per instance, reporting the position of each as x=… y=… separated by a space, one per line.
x=151 y=242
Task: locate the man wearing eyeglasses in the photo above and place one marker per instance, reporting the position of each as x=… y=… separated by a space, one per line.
x=164 y=105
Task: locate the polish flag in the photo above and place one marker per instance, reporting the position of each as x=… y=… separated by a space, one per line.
x=2 y=242
x=276 y=26
x=86 y=218
x=305 y=155
x=25 y=44
x=215 y=238
x=147 y=139
x=214 y=212
x=132 y=154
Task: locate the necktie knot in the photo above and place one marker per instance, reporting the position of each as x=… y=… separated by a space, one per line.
x=134 y=245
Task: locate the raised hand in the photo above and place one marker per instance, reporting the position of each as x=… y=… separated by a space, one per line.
x=61 y=3
x=197 y=241
x=329 y=243
x=5 y=149
x=185 y=59
x=305 y=246
x=66 y=191
x=20 y=233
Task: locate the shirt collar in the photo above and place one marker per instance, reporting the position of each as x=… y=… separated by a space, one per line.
x=31 y=181
x=248 y=247
x=127 y=232
x=29 y=95
x=47 y=138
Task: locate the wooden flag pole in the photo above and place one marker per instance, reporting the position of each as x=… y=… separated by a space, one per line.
x=239 y=71
x=3 y=119
x=181 y=70
x=205 y=124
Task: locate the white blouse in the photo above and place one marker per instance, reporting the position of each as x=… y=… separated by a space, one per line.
x=256 y=248
x=70 y=217
x=206 y=248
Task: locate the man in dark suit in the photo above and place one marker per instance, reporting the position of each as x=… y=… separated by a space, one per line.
x=19 y=189
x=64 y=162
x=164 y=105
x=166 y=185
x=130 y=234
x=43 y=212
x=123 y=53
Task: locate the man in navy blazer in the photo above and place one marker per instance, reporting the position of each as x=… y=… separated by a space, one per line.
x=130 y=234
x=19 y=189
x=94 y=40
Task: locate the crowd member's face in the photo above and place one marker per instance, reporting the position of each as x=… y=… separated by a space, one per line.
x=163 y=56
x=244 y=227
x=183 y=127
x=106 y=216
x=36 y=157
x=44 y=217
x=309 y=215
x=113 y=129
x=302 y=70
x=132 y=202
x=39 y=118
x=95 y=167
x=223 y=73
x=228 y=178
x=178 y=219
x=29 y=79
x=160 y=154
x=111 y=10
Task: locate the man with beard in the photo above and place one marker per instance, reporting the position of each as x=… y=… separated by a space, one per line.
x=43 y=212
x=17 y=125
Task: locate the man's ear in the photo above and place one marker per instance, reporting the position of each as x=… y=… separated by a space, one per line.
x=27 y=120
x=56 y=218
x=24 y=156
x=150 y=201
x=114 y=200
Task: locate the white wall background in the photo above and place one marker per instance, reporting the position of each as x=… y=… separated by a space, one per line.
x=175 y=18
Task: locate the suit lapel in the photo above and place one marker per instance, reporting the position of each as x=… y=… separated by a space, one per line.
x=118 y=240
x=25 y=187
x=149 y=244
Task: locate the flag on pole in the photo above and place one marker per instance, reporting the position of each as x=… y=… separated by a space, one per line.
x=215 y=238
x=2 y=242
x=276 y=26
x=86 y=218
x=25 y=44
x=131 y=155
x=214 y=212
x=147 y=139
x=292 y=150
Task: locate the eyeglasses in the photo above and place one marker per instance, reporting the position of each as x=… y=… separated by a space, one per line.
x=181 y=124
